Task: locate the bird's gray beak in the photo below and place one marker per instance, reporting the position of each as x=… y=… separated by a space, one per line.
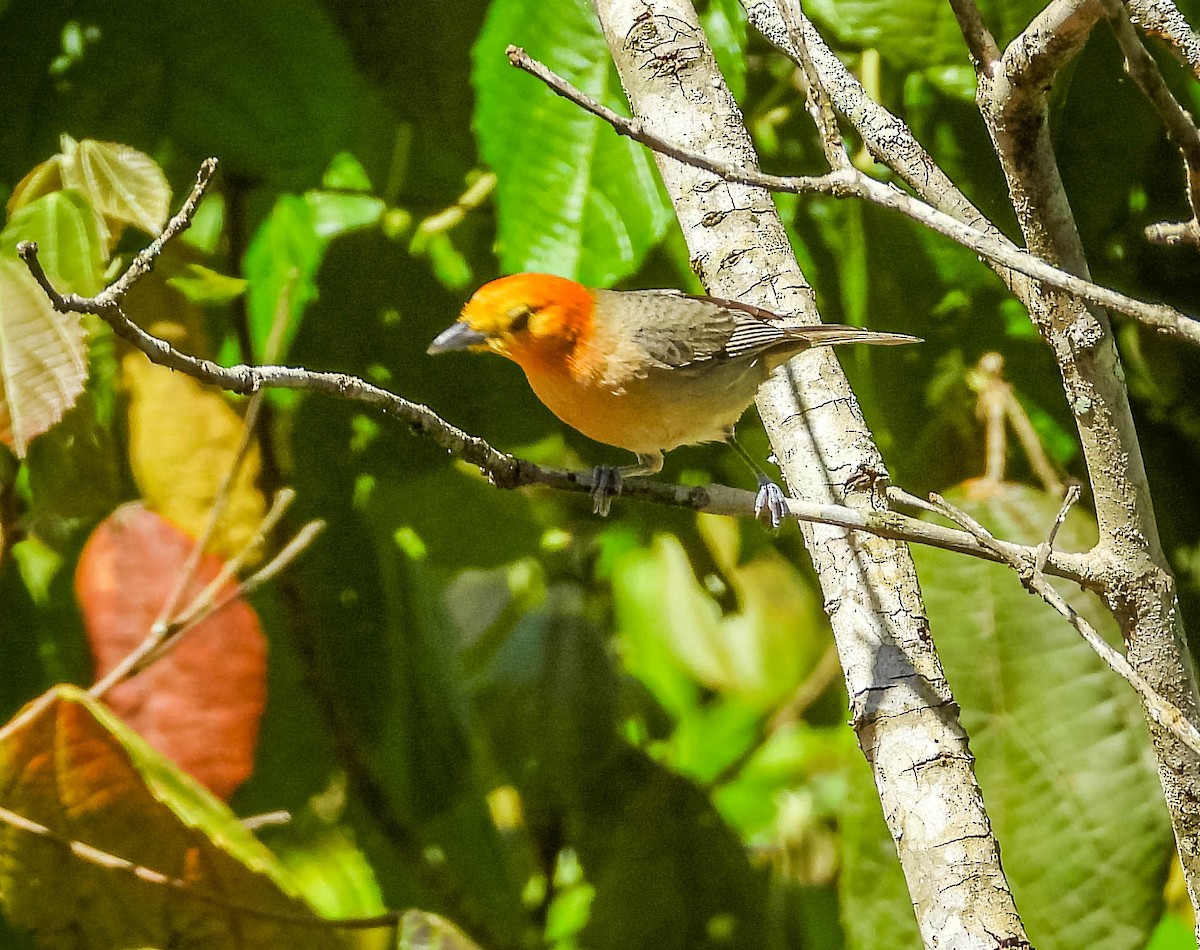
x=457 y=336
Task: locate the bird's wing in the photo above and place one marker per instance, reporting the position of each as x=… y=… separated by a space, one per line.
x=679 y=331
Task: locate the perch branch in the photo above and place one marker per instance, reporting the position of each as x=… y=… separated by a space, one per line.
x=503 y=470
x=1163 y=19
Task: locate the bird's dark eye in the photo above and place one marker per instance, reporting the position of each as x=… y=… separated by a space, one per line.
x=520 y=319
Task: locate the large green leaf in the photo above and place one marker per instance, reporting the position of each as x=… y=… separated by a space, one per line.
x=1061 y=747
x=572 y=198
x=69 y=765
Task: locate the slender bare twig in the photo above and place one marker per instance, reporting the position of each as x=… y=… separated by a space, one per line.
x=161 y=640
x=817 y=100
x=980 y=42
x=283 y=501
x=1163 y=712
x=1046 y=547
x=1179 y=125
x=112 y=862
x=852 y=183
x=998 y=405
x=224 y=491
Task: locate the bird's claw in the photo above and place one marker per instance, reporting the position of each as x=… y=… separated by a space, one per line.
x=606 y=483
x=770 y=504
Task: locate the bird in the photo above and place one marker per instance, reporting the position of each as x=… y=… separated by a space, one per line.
x=642 y=370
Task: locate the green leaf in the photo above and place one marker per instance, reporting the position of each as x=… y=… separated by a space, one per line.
x=664 y=614
x=282 y=260
x=1061 y=747
x=204 y=285
x=281 y=266
x=573 y=198
x=74 y=476
x=68 y=764
x=70 y=248
x=124 y=185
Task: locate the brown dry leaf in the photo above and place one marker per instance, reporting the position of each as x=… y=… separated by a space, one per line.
x=183 y=435
x=67 y=764
x=201 y=703
x=43 y=359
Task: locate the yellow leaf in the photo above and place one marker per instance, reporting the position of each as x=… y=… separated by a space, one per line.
x=124 y=185
x=183 y=435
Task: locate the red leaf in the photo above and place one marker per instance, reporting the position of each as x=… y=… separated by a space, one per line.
x=200 y=704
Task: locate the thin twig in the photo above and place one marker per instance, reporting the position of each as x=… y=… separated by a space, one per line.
x=852 y=183
x=215 y=511
x=817 y=100
x=112 y=862
x=980 y=42
x=1163 y=712
x=166 y=631
x=283 y=501
x=1046 y=547
x=199 y=611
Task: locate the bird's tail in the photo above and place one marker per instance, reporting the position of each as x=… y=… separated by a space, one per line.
x=833 y=334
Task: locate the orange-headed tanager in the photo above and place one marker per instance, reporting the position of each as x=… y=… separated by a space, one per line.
x=645 y=370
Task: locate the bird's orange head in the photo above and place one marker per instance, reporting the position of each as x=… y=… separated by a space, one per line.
x=530 y=318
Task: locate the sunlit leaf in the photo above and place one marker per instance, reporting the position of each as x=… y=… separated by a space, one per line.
x=43 y=179
x=758 y=653
x=69 y=765
x=200 y=704
x=204 y=285
x=124 y=185
x=42 y=362
x=70 y=247
x=121 y=184
x=422 y=931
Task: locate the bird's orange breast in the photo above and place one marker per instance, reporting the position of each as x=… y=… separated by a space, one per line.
x=654 y=411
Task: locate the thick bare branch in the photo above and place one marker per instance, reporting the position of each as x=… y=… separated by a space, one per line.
x=902 y=710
